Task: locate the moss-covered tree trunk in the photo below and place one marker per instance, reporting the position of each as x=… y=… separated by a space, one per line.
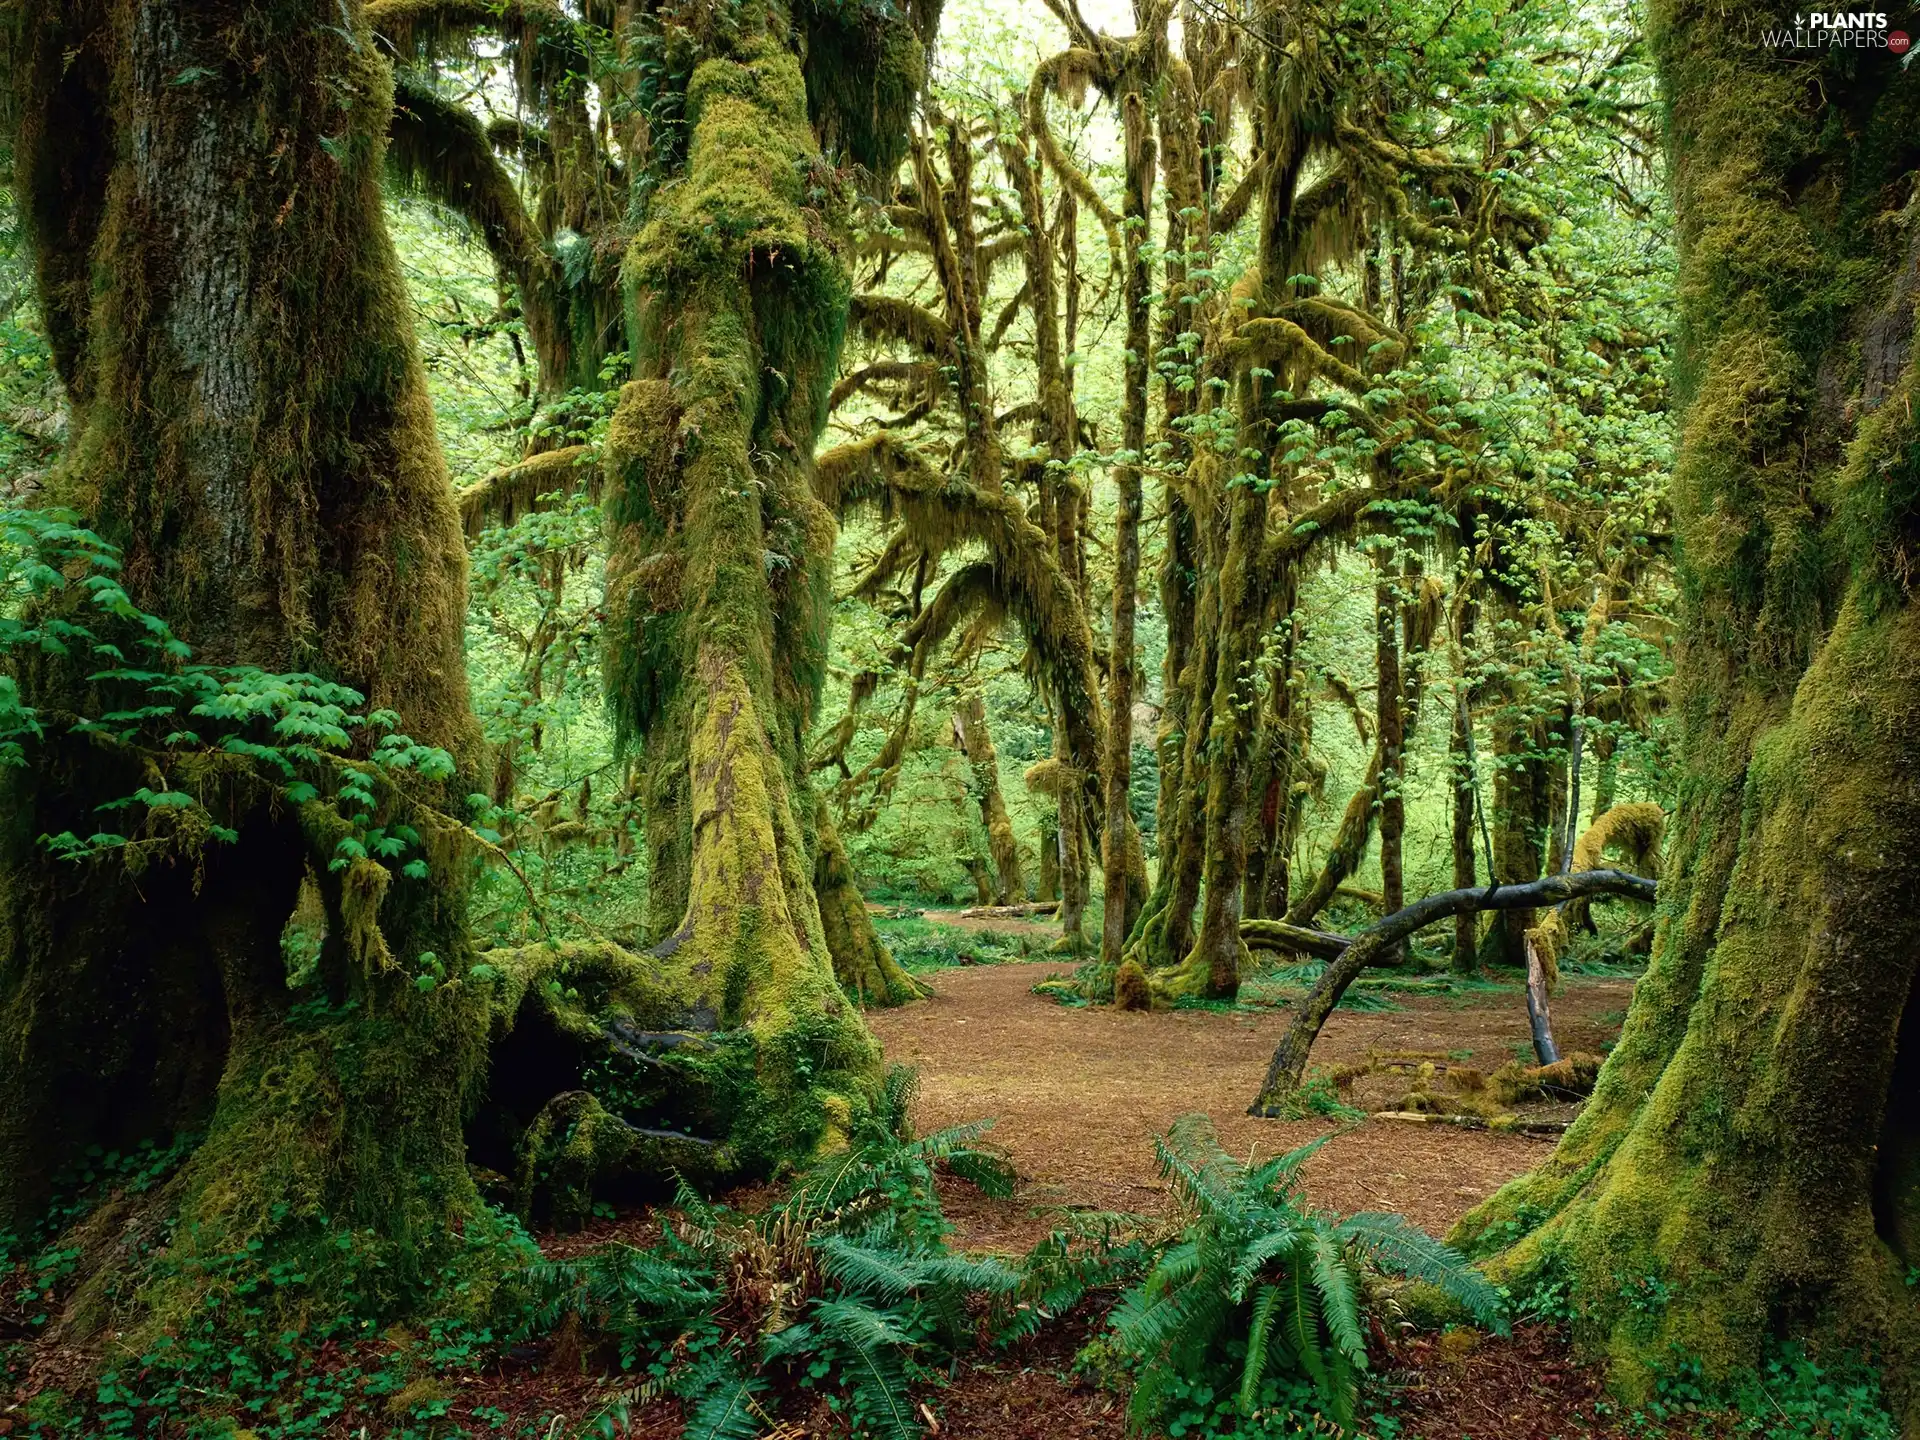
x=1212 y=968
x=251 y=427
x=1519 y=830
x=1390 y=722
x=1465 y=788
x=1123 y=904
x=719 y=572
x=1752 y=1141
x=976 y=742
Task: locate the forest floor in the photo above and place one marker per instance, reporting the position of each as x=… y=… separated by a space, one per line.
x=1078 y=1094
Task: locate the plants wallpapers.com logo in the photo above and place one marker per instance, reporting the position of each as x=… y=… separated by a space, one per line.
x=1841 y=30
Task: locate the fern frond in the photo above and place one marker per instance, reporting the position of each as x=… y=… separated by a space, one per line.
x=727 y=1412
x=1339 y=1300
x=796 y=1339
x=1279 y=1177
x=1146 y=1321
x=873 y=1370
x=857 y=1267
x=1303 y=1329
x=967 y=1274
x=1258 y=1256
x=1203 y=1174
x=1265 y=1303
x=988 y=1171
x=853 y=1323
x=955 y=1138
x=1396 y=1245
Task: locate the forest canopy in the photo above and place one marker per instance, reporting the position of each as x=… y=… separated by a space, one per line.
x=572 y=566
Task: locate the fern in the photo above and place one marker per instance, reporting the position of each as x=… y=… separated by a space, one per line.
x=870 y=1342
x=848 y=1284
x=1261 y=1284
x=728 y=1411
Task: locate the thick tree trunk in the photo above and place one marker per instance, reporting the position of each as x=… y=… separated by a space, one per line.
x=1166 y=932
x=1749 y=1142
x=1212 y=968
x=718 y=574
x=252 y=428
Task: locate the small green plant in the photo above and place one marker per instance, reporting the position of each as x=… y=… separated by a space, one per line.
x=847 y=1287
x=1789 y=1396
x=1260 y=1309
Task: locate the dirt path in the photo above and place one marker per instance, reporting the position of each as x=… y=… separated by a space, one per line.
x=1079 y=1094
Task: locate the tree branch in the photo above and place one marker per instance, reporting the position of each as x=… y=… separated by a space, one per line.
x=1276 y=1096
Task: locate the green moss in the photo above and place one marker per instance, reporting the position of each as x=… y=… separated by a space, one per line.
x=719 y=591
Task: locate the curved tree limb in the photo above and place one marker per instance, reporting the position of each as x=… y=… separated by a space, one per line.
x=1293 y=939
x=440 y=148
x=1378 y=940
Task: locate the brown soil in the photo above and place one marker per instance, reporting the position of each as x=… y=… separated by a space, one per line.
x=1079 y=1094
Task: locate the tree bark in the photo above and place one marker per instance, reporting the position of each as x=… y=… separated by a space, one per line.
x=1749 y=1141
x=252 y=429
x=1121 y=904
x=1389 y=721
x=1465 y=791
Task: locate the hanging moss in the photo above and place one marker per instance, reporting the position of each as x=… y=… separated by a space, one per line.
x=864 y=71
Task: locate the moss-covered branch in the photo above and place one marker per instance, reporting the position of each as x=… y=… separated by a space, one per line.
x=1377 y=942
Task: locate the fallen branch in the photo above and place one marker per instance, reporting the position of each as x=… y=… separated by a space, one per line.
x=1008 y=912
x=1514 y=1126
x=1378 y=940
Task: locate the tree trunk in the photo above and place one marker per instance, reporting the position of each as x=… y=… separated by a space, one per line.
x=1752 y=1141
x=1213 y=967
x=1121 y=904
x=976 y=742
x=1075 y=878
x=862 y=963
x=1465 y=789
x=251 y=427
x=1519 y=828
x=718 y=586
x=1389 y=720
x=1049 y=886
